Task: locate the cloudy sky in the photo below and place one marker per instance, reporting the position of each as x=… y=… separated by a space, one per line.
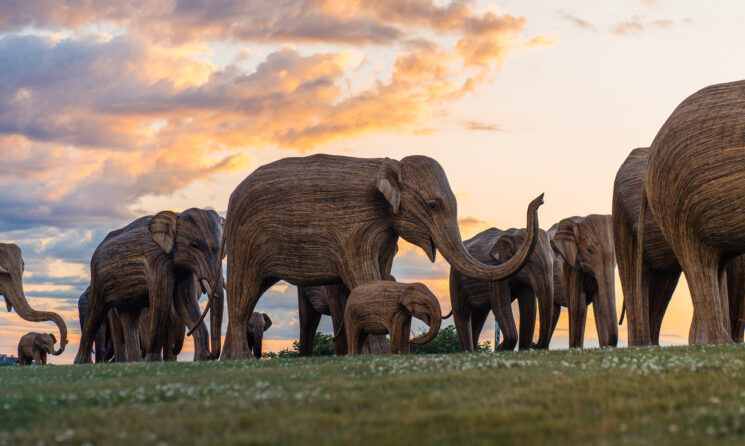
x=113 y=110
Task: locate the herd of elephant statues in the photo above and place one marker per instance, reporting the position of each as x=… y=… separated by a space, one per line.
x=330 y=225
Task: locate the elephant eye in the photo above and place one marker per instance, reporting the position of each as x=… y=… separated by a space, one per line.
x=432 y=204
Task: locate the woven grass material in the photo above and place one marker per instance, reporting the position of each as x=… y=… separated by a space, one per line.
x=472 y=299
x=11 y=288
x=35 y=347
x=156 y=261
x=384 y=307
x=584 y=273
x=331 y=220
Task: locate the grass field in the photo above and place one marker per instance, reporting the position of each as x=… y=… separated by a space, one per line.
x=675 y=395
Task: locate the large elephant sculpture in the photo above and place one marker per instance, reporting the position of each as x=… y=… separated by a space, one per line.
x=35 y=347
x=259 y=323
x=11 y=288
x=157 y=261
x=329 y=220
x=175 y=336
x=472 y=299
x=693 y=181
x=584 y=273
x=384 y=307
x=103 y=347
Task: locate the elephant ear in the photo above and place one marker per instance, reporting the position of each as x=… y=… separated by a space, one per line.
x=504 y=249
x=389 y=183
x=566 y=239
x=163 y=229
x=408 y=298
x=267 y=321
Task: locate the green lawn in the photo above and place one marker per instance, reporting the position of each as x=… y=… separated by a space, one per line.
x=678 y=396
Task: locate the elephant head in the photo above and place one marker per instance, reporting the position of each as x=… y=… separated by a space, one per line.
x=11 y=288
x=193 y=239
x=424 y=212
x=418 y=301
x=537 y=273
x=45 y=342
x=586 y=243
x=257 y=325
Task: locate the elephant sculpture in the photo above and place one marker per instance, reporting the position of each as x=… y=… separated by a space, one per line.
x=383 y=307
x=103 y=348
x=35 y=347
x=584 y=268
x=259 y=323
x=331 y=220
x=175 y=335
x=157 y=262
x=473 y=299
x=11 y=288
x=692 y=189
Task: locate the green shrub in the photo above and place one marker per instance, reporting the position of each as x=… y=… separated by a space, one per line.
x=323 y=345
x=446 y=341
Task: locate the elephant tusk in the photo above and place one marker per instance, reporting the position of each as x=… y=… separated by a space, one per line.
x=206 y=286
x=4 y=271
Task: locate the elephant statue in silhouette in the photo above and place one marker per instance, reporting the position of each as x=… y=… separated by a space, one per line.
x=103 y=347
x=259 y=323
x=584 y=273
x=11 y=288
x=157 y=262
x=472 y=299
x=384 y=307
x=330 y=220
x=35 y=347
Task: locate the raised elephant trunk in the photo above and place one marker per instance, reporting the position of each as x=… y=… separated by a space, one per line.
x=25 y=311
x=433 y=318
x=448 y=241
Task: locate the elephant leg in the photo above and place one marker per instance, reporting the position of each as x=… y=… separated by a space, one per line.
x=37 y=357
x=577 y=306
x=501 y=305
x=701 y=267
x=337 y=299
x=724 y=296
x=242 y=298
x=478 y=317
x=187 y=307
x=176 y=336
x=661 y=288
x=100 y=344
x=635 y=295
x=144 y=328
x=117 y=335
x=461 y=313
x=130 y=320
x=404 y=343
x=526 y=301
x=354 y=335
x=736 y=291
x=43 y=358
x=554 y=320
x=94 y=318
x=162 y=292
x=309 y=320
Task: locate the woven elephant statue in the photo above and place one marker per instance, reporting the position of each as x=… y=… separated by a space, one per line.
x=383 y=307
x=259 y=323
x=35 y=347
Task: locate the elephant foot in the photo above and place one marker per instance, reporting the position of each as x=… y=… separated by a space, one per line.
x=707 y=333
x=153 y=357
x=229 y=354
x=202 y=356
x=83 y=359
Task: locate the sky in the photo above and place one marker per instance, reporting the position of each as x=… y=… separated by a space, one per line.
x=114 y=110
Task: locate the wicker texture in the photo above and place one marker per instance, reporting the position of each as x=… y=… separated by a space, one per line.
x=384 y=307
x=35 y=347
x=155 y=261
x=330 y=220
x=11 y=288
x=472 y=299
x=584 y=273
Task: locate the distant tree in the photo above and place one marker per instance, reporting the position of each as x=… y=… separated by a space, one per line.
x=446 y=341
x=323 y=345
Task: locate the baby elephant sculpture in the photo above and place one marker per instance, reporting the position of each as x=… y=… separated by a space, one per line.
x=257 y=325
x=35 y=347
x=384 y=307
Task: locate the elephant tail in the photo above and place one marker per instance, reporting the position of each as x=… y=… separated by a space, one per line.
x=215 y=281
x=449 y=314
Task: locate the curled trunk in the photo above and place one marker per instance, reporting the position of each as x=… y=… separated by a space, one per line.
x=435 y=319
x=449 y=242
x=25 y=311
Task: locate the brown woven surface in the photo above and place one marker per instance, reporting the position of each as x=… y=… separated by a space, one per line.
x=472 y=299
x=35 y=347
x=330 y=220
x=584 y=273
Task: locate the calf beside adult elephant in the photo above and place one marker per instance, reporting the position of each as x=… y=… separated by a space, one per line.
x=156 y=261
x=35 y=347
x=584 y=268
x=472 y=299
x=11 y=288
x=329 y=220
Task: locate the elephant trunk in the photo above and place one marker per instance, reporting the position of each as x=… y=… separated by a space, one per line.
x=211 y=293
x=544 y=291
x=216 y=319
x=433 y=317
x=605 y=309
x=18 y=301
x=447 y=239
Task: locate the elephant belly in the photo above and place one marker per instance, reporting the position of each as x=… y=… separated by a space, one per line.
x=476 y=293
x=375 y=328
x=657 y=252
